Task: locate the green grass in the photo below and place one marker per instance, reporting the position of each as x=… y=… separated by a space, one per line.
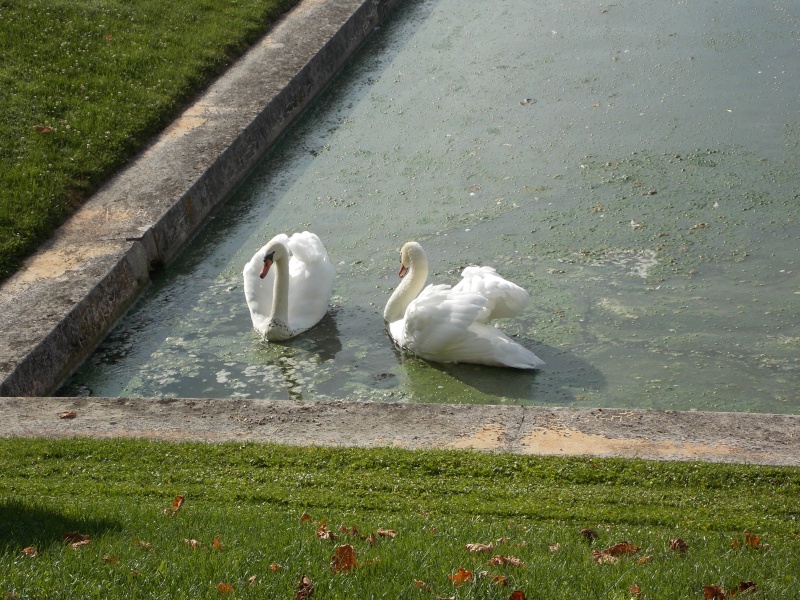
x=84 y=84
x=251 y=498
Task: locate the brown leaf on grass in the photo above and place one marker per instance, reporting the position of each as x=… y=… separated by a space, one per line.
x=344 y=559
x=217 y=544
x=251 y=580
x=747 y=586
x=324 y=533
x=305 y=517
x=678 y=545
x=67 y=414
x=635 y=590
x=76 y=540
x=371 y=539
x=30 y=551
x=109 y=37
x=501 y=580
x=479 y=547
x=142 y=544
x=304 y=587
x=517 y=595
x=390 y=533
x=224 y=588
x=275 y=567
x=622 y=549
x=643 y=560
x=351 y=531
x=111 y=560
x=554 y=547
x=460 y=577
x=713 y=592
x=511 y=561
x=192 y=543
x=43 y=128
x=77 y=545
x=589 y=534
x=422 y=586
x=602 y=558
x=176 y=506
x=753 y=541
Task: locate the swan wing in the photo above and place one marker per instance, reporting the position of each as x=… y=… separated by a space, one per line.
x=311 y=277
x=504 y=298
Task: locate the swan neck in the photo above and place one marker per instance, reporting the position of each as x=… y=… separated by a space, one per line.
x=280 y=293
x=409 y=288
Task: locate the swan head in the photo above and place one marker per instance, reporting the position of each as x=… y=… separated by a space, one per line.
x=411 y=253
x=273 y=252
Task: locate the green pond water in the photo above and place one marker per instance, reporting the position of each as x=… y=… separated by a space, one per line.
x=633 y=165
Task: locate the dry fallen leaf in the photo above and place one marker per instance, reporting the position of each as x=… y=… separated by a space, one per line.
x=305 y=517
x=390 y=533
x=747 y=586
x=479 y=547
x=224 y=588
x=217 y=544
x=643 y=560
x=554 y=547
x=275 y=567
x=713 y=592
x=621 y=549
x=74 y=537
x=176 y=506
x=500 y=580
x=142 y=544
x=635 y=590
x=344 y=559
x=678 y=545
x=752 y=541
x=43 y=128
x=67 y=414
x=511 y=561
x=517 y=595
x=304 y=587
x=589 y=534
x=29 y=551
x=422 y=586
x=251 y=580
x=602 y=558
x=460 y=577
x=191 y=543
x=324 y=533
x=111 y=560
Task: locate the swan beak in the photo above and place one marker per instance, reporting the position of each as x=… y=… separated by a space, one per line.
x=267 y=265
x=403 y=270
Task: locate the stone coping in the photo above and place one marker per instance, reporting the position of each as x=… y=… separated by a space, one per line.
x=591 y=432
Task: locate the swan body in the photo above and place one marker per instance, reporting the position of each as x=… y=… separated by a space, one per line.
x=287 y=285
x=451 y=324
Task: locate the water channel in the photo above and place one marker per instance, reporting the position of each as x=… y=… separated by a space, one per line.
x=633 y=165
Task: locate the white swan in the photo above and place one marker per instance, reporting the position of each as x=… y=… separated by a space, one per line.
x=286 y=303
x=444 y=324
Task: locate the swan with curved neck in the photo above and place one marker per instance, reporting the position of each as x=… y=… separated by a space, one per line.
x=451 y=324
x=287 y=285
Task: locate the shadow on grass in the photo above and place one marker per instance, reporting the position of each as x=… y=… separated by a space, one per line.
x=23 y=525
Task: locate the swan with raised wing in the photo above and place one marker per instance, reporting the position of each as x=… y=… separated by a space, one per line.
x=451 y=324
x=288 y=284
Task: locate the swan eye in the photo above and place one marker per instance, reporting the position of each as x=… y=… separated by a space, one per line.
x=269 y=257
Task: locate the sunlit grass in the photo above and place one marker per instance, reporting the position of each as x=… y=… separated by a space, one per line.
x=85 y=83
x=252 y=497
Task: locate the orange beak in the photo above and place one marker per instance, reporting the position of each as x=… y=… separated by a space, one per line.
x=403 y=270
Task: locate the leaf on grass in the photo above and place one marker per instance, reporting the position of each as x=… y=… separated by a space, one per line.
x=554 y=547
x=176 y=506
x=351 y=531
x=217 y=544
x=643 y=560
x=67 y=414
x=713 y=592
x=422 y=586
x=76 y=545
x=43 y=128
x=305 y=517
x=479 y=547
x=111 y=560
x=76 y=540
x=344 y=559
x=371 y=539
x=224 y=588
x=635 y=590
x=275 y=567
x=602 y=558
x=511 y=561
x=747 y=586
x=753 y=541
x=304 y=587
x=622 y=549
x=390 y=533
x=589 y=534
x=192 y=543
x=324 y=533
x=460 y=577
x=678 y=545
x=251 y=580
x=517 y=595
x=500 y=580
x=30 y=551
x=142 y=544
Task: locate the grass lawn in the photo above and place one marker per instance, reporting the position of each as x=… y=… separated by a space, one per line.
x=385 y=523
x=84 y=84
